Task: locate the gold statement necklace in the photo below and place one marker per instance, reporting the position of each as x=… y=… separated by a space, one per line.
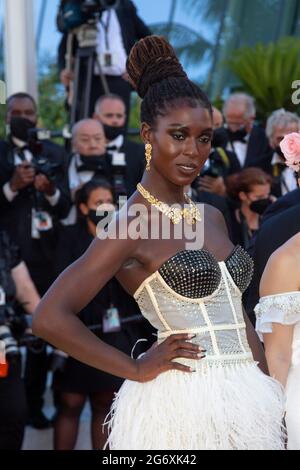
x=191 y=214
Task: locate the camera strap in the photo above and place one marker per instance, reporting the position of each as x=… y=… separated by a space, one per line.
x=224 y=156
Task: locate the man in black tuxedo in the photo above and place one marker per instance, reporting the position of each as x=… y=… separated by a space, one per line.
x=111 y=112
x=34 y=193
x=274 y=232
x=247 y=140
x=31 y=203
x=119 y=29
x=280 y=124
x=221 y=162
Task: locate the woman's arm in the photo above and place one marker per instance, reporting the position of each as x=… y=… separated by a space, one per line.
x=280 y=276
x=255 y=345
x=56 y=317
x=27 y=294
x=278 y=346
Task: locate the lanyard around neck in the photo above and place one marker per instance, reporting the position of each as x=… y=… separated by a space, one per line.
x=106 y=28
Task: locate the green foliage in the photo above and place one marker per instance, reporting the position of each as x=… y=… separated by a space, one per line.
x=267 y=73
x=51 y=97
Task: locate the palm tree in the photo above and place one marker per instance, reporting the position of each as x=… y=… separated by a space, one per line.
x=267 y=73
x=229 y=24
x=173 y=7
x=192 y=46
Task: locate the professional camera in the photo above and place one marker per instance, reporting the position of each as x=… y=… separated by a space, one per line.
x=74 y=13
x=41 y=164
x=118 y=175
x=90 y=7
x=214 y=166
x=24 y=130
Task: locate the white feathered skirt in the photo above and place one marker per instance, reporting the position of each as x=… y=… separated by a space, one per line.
x=233 y=407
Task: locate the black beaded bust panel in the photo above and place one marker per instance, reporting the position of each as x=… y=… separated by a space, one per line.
x=197 y=274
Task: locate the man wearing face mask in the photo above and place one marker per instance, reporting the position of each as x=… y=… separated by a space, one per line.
x=110 y=111
x=31 y=205
x=247 y=140
x=88 y=159
x=279 y=124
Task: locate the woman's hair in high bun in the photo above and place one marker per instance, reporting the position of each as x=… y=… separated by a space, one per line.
x=159 y=79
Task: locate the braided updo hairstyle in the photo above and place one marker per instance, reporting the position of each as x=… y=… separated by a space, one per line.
x=159 y=79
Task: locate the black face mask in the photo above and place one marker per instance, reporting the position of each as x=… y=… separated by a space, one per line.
x=112 y=132
x=260 y=206
x=237 y=136
x=20 y=127
x=92 y=215
x=280 y=153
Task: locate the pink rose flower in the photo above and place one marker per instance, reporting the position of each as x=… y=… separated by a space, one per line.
x=290 y=147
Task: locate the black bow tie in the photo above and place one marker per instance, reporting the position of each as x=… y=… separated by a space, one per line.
x=82 y=168
x=239 y=139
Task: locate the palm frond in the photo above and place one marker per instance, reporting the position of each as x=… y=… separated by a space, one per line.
x=210 y=10
x=267 y=72
x=189 y=45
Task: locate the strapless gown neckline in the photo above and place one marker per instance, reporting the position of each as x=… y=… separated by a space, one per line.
x=157 y=273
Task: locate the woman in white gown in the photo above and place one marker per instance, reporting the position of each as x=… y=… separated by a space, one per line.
x=278 y=324
x=222 y=400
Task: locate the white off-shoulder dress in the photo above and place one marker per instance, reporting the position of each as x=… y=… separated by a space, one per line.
x=285 y=310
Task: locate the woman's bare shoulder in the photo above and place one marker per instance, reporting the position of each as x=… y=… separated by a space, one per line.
x=282 y=273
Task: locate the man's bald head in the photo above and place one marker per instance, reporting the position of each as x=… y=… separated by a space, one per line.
x=88 y=138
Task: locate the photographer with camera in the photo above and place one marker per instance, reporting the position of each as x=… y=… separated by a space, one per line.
x=127 y=157
x=220 y=164
x=15 y=286
x=93 y=62
x=34 y=196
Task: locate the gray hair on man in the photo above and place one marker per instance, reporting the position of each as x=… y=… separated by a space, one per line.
x=241 y=99
x=281 y=118
x=89 y=122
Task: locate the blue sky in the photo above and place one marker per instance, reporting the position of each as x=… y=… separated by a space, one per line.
x=151 y=11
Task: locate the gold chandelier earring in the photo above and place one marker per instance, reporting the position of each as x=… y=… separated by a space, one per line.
x=148 y=156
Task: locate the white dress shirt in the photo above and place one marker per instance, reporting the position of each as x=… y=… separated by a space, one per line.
x=240 y=149
x=110 y=41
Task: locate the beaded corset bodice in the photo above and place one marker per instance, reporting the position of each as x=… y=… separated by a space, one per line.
x=193 y=292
